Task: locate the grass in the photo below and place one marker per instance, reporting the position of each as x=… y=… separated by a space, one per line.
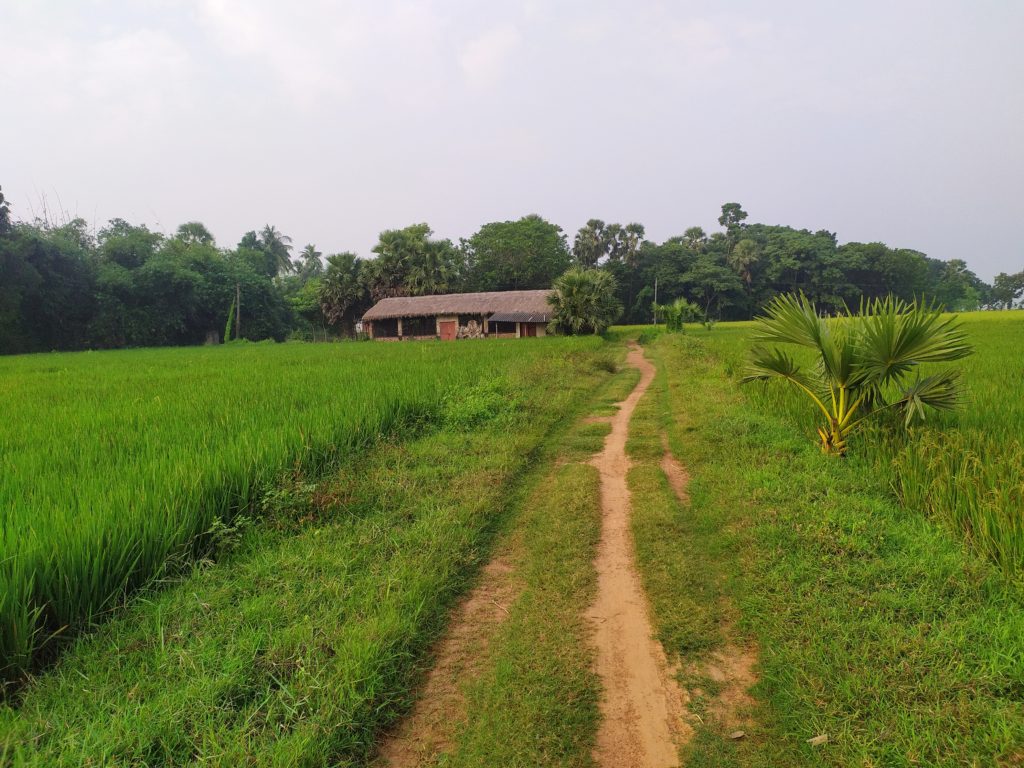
x=536 y=702
x=305 y=641
x=875 y=626
x=117 y=467
x=963 y=469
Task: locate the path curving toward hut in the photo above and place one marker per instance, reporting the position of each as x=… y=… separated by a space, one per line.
x=642 y=707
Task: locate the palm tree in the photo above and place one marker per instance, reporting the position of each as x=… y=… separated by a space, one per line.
x=194 y=233
x=591 y=244
x=695 y=239
x=431 y=268
x=862 y=361
x=583 y=301
x=341 y=289
x=310 y=264
x=277 y=246
x=742 y=258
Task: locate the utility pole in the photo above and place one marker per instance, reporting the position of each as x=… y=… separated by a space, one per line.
x=238 y=311
x=655 y=299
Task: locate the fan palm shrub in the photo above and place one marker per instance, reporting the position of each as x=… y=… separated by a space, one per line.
x=677 y=314
x=583 y=301
x=863 y=362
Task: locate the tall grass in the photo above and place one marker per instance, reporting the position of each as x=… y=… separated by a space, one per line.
x=965 y=468
x=114 y=465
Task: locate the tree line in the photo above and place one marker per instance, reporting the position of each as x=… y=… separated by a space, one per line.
x=65 y=287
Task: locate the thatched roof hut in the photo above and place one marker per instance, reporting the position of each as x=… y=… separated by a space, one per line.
x=533 y=303
x=458 y=315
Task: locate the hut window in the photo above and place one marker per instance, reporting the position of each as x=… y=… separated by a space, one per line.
x=419 y=326
x=385 y=328
x=499 y=327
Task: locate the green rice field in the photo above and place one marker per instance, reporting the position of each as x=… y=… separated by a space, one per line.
x=117 y=467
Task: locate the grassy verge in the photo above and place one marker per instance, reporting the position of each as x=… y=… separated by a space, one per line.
x=875 y=627
x=536 y=703
x=298 y=648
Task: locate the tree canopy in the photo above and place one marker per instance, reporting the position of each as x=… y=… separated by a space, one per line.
x=63 y=286
x=515 y=255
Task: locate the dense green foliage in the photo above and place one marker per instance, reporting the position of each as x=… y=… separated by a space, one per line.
x=62 y=287
x=115 y=464
x=733 y=273
x=515 y=255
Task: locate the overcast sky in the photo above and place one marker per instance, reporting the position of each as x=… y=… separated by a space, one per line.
x=895 y=121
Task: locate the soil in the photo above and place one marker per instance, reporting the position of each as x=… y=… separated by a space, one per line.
x=732 y=667
x=642 y=707
x=429 y=729
x=676 y=473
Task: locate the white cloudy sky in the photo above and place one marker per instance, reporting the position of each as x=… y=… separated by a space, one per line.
x=897 y=121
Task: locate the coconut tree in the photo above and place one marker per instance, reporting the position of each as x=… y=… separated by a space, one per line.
x=278 y=247
x=862 y=362
x=310 y=265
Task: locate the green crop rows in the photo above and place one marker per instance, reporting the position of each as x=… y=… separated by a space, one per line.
x=115 y=466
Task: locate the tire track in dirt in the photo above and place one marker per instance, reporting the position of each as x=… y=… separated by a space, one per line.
x=429 y=729
x=642 y=707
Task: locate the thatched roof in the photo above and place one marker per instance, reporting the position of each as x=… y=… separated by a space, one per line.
x=528 y=303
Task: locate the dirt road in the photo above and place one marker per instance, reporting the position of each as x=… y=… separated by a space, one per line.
x=642 y=707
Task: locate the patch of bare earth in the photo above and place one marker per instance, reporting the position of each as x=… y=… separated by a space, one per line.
x=430 y=728
x=676 y=473
x=731 y=667
x=642 y=708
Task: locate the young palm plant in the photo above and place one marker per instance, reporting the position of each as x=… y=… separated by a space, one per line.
x=863 y=361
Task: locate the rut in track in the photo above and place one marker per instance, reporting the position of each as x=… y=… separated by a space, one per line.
x=429 y=728
x=642 y=707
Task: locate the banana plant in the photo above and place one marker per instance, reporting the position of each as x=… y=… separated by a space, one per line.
x=862 y=361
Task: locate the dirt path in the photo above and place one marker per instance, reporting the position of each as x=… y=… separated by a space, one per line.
x=642 y=708
x=429 y=728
